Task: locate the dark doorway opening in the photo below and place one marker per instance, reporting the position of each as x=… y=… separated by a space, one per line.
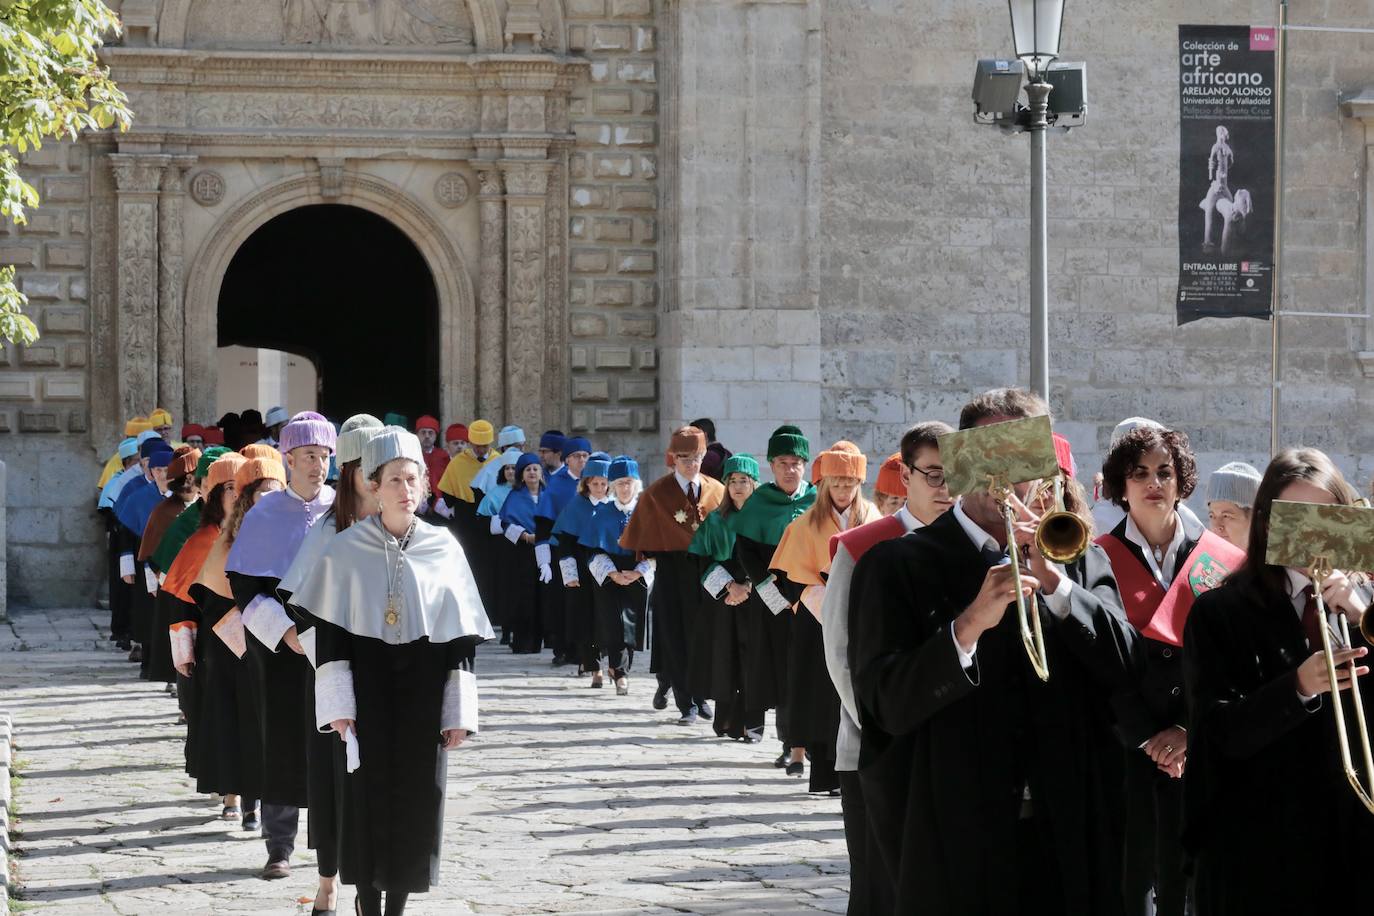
x=347 y=290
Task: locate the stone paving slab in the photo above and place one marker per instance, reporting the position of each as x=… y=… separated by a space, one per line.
x=571 y=800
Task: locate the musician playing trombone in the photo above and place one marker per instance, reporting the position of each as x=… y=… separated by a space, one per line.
x=990 y=790
x=1270 y=822
x=1162 y=560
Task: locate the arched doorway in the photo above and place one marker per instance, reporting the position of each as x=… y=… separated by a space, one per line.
x=347 y=290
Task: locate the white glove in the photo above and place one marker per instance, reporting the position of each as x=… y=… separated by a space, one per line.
x=496 y=524
x=441 y=506
x=545 y=573
x=150 y=580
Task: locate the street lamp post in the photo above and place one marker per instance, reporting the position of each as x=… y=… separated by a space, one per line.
x=1036 y=27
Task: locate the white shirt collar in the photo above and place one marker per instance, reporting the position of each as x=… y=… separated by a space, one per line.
x=842 y=518
x=682 y=482
x=602 y=501
x=628 y=507
x=977 y=535
x=906 y=518
x=1298 y=582
x=294 y=495
x=1162 y=571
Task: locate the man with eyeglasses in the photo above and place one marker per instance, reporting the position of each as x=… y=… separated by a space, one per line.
x=986 y=790
x=669 y=512
x=927 y=498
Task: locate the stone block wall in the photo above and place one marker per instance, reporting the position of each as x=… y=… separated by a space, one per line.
x=741 y=166
x=53 y=533
x=924 y=281
x=613 y=229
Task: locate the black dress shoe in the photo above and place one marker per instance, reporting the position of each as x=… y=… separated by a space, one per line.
x=796 y=769
x=782 y=760
x=688 y=719
x=661 y=698
x=704 y=710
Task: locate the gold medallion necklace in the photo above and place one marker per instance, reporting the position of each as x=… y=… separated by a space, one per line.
x=392 y=616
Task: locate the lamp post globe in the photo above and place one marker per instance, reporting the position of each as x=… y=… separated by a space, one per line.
x=1035 y=30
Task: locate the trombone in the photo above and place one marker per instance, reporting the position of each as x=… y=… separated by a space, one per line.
x=1061 y=537
x=1321 y=568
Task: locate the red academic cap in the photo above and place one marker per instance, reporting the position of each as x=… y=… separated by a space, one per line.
x=192 y=429
x=456 y=433
x=212 y=435
x=427 y=422
x=1064 y=453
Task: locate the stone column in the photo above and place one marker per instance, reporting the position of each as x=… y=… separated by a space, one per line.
x=171 y=317
x=138 y=179
x=491 y=296
x=526 y=211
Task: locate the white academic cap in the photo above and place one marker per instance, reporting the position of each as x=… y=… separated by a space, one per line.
x=390 y=443
x=1129 y=424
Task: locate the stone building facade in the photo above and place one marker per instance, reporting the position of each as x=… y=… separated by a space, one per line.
x=636 y=212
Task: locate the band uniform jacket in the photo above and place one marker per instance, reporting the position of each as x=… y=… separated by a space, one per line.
x=947 y=755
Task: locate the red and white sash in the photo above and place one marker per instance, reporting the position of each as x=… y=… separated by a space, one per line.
x=1158 y=614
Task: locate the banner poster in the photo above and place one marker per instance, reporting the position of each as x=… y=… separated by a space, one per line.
x=1226 y=200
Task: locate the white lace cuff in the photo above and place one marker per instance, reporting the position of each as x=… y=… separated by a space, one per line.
x=266 y=619
x=126 y=565
x=568 y=567
x=600 y=567
x=542 y=555
x=334 y=697
x=646 y=569
x=460 y=702
x=183 y=636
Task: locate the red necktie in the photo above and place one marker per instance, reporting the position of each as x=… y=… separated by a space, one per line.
x=1311 y=620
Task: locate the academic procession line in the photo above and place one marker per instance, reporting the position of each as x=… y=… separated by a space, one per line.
x=321 y=640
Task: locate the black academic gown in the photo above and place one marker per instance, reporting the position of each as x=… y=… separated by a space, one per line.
x=1269 y=819
x=619 y=612
x=228 y=747
x=1154 y=800
x=283 y=678
x=393 y=805
x=188 y=688
x=681 y=629
x=769 y=639
x=120 y=625
x=731 y=628
x=948 y=754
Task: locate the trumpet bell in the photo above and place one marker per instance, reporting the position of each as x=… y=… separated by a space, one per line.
x=1063 y=537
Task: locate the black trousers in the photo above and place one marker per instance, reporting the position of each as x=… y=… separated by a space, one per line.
x=870 y=885
x=1153 y=881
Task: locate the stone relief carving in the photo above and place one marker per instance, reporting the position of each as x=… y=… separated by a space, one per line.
x=451 y=190
x=399 y=113
x=527 y=112
x=171 y=320
x=207 y=188
x=491 y=319
x=137 y=302
x=384 y=22
x=524 y=313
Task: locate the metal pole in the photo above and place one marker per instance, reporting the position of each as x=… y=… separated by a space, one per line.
x=1038 y=94
x=1276 y=316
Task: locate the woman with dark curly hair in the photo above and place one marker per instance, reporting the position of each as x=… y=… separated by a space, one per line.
x=1162 y=560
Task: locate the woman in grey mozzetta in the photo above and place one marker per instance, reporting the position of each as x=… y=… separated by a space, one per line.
x=1230 y=498
x=397 y=617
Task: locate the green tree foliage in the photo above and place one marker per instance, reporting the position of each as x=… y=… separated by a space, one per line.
x=52 y=85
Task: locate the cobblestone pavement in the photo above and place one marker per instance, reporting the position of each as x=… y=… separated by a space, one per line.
x=571 y=800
